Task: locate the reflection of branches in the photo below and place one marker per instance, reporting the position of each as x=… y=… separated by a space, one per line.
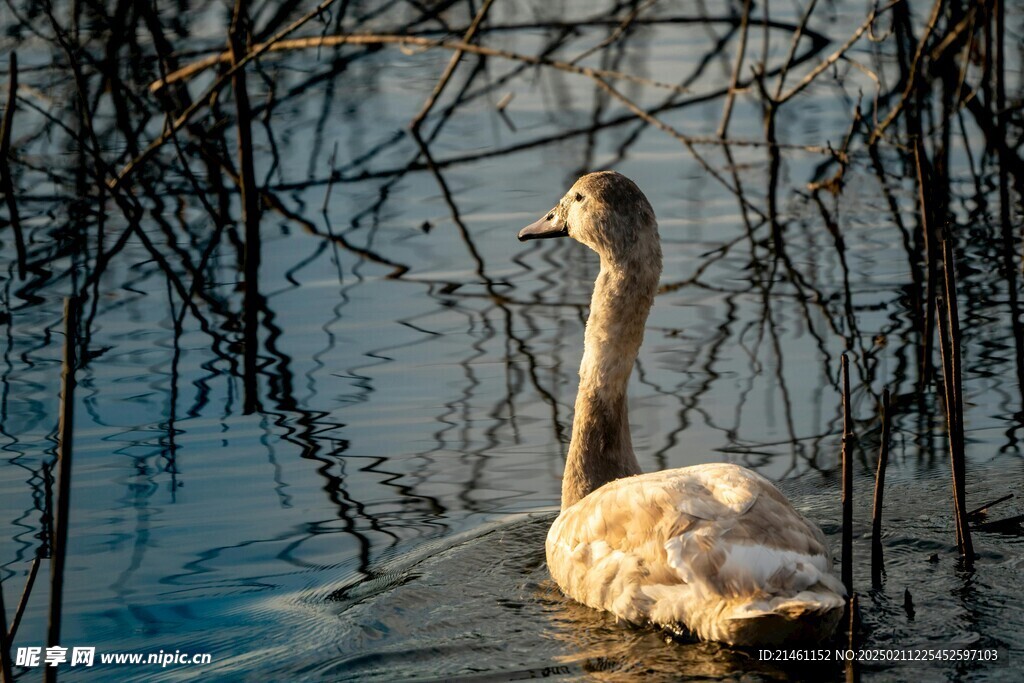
x=186 y=116
x=604 y=20
x=741 y=50
x=495 y=296
x=687 y=141
x=450 y=69
x=407 y=40
x=835 y=56
x=772 y=307
x=6 y=182
x=275 y=204
x=617 y=33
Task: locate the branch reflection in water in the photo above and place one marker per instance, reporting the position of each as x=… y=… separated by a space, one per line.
x=396 y=378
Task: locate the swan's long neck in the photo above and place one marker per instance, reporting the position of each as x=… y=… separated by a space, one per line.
x=601 y=449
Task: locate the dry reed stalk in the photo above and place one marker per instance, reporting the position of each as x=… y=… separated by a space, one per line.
x=876 y=508
x=939 y=248
x=5 y=643
x=852 y=669
x=952 y=379
x=847 y=490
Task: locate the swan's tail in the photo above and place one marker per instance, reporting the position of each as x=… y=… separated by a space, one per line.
x=810 y=616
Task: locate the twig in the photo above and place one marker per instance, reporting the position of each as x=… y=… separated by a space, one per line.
x=793 y=45
x=398 y=269
x=617 y=33
x=915 y=70
x=837 y=55
x=186 y=116
x=976 y=512
x=406 y=40
x=6 y=179
x=450 y=69
x=723 y=127
x=456 y=216
x=876 y=509
x=847 y=490
x=686 y=140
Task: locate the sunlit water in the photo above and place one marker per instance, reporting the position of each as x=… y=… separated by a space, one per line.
x=383 y=517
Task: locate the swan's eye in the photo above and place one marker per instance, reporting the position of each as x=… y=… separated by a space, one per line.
x=579 y=197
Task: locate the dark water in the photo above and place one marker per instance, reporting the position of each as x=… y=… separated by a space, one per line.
x=382 y=517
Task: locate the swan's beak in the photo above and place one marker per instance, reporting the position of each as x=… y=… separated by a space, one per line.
x=549 y=226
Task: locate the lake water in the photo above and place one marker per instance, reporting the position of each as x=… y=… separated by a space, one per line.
x=382 y=516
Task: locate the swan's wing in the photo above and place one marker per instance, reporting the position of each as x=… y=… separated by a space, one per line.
x=699 y=544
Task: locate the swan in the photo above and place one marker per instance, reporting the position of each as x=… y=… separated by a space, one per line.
x=713 y=551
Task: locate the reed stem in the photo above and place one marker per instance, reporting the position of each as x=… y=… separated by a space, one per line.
x=951 y=355
x=847 y=490
x=876 y=509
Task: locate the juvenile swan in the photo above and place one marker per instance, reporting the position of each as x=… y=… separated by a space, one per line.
x=711 y=550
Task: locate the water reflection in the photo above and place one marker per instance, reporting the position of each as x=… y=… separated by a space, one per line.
x=415 y=367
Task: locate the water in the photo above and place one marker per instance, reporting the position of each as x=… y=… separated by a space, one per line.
x=382 y=518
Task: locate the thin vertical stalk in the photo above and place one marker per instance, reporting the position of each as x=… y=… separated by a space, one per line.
x=951 y=359
x=250 y=208
x=876 y=509
x=931 y=259
x=847 y=492
x=64 y=456
x=6 y=179
x=950 y=409
x=852 y=666
x=5 y=642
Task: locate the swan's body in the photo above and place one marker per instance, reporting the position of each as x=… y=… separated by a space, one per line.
x=713 y=550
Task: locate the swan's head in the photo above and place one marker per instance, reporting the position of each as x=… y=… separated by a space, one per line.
x=605 y=211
